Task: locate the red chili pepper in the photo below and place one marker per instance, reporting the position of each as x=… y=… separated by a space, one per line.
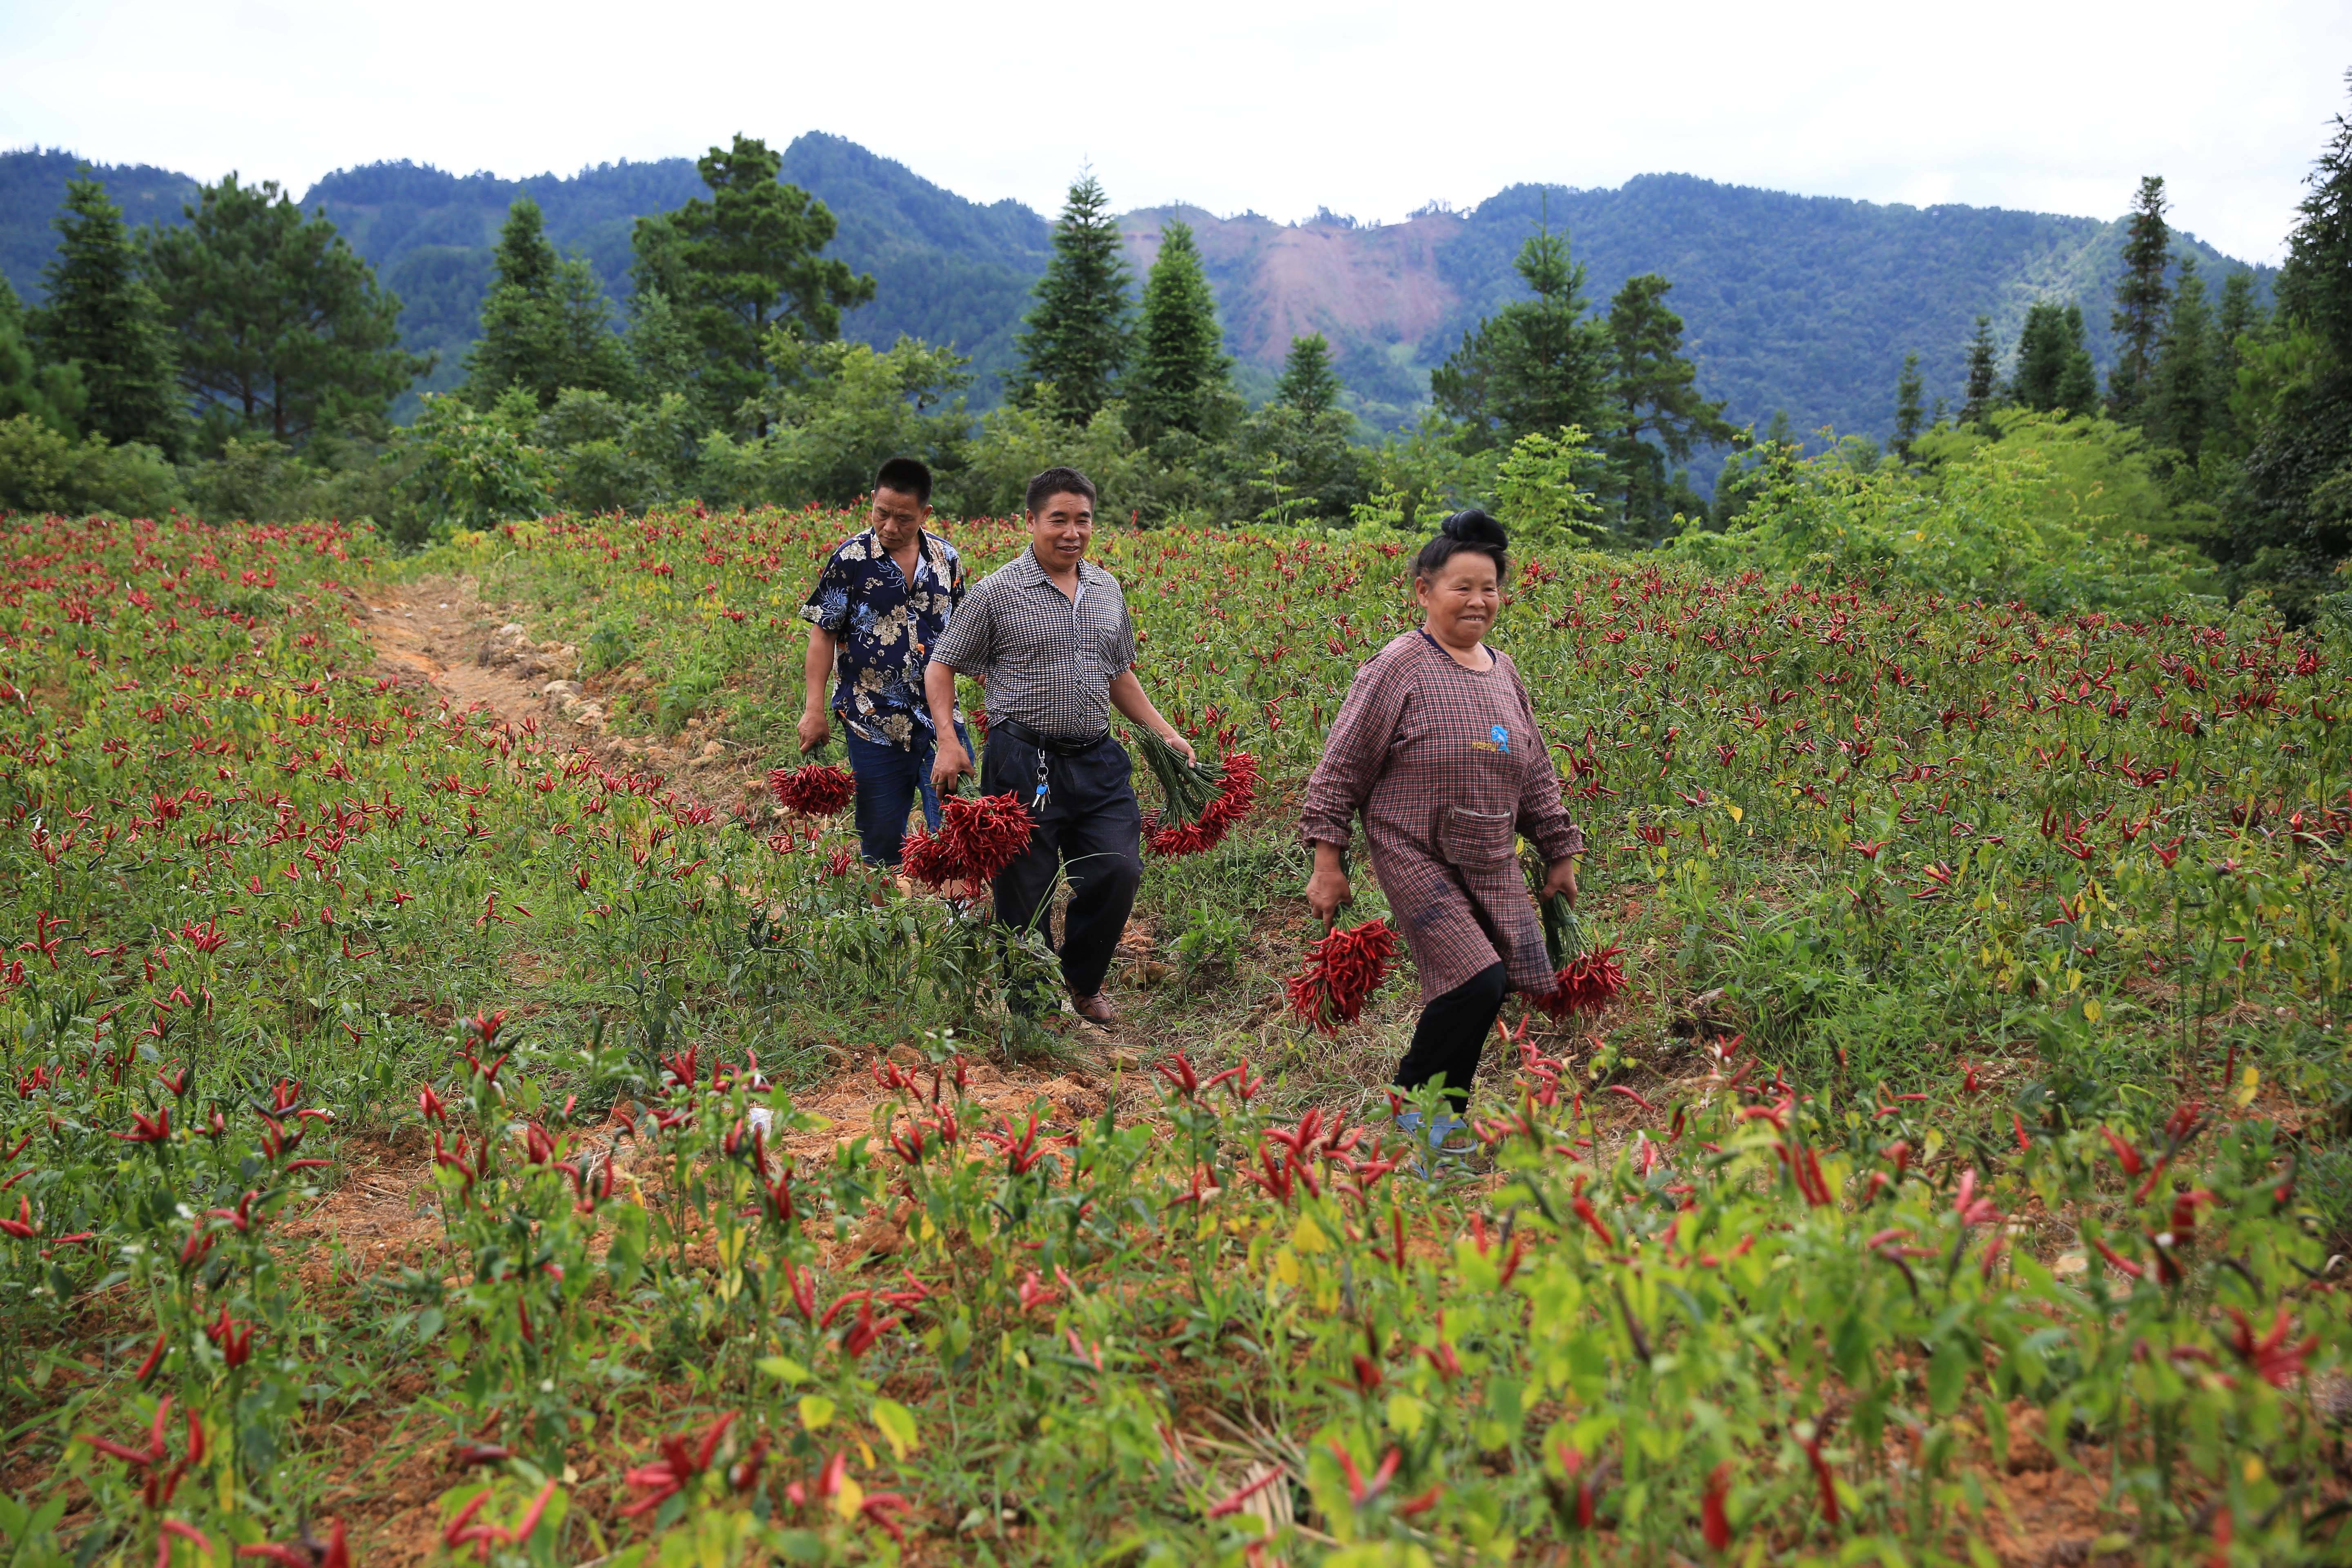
x=817 y=789
x=1342 y=970
x=1715 y=1523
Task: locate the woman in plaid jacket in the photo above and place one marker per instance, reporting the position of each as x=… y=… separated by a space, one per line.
x=1437 y=748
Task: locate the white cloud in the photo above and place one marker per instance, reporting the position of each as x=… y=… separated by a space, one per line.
x=1233 y=104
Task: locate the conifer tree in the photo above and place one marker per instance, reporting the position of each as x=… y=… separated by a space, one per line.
x=2054 y=366
x=1907 y=391
x=1183 y=380
x=2140 y=296
x=1659 y=417
x=2181 y=390
x=2291 y=527
x=280 y=324
x=749 y=259
x=102 y=318
x=545 y=323
x=1984 y=371
x=49 y=393
x=1078 y=337
x=1535 y=365
x=1309 y=382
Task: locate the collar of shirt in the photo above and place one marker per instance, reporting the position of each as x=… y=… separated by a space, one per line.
x=930 y=556
x=1032 y=575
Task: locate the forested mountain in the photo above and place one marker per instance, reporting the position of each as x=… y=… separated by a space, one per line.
x=33 y=186
x=1802 y=303
x=1807 y=304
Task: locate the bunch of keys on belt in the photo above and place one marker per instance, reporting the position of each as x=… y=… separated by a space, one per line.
x=1044 y=782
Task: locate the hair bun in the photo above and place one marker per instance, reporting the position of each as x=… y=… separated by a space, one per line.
x=1476 y=526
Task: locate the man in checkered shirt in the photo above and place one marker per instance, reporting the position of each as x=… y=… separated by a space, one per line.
x=1049 y=635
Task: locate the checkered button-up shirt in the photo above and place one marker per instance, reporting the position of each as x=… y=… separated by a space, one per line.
x=1048 y=662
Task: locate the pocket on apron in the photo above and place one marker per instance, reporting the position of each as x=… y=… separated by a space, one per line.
x=1476 y=840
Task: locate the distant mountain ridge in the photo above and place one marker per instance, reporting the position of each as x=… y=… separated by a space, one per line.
x=1801 y=303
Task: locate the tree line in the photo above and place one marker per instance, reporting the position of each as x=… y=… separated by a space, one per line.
x=2223 y=429
x=247 y=361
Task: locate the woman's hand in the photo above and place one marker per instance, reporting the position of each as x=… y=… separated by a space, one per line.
x=1326 y=891
x=1559 y=878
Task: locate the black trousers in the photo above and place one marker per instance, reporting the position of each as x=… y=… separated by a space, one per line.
x=1452 y=1034
x=1091 y=827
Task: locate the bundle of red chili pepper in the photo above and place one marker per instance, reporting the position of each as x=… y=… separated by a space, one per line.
x=816 y=789
x=977 y=840
x=1342 y=970
x=1236 y=795
x=1585 y=983
x=1584 y=980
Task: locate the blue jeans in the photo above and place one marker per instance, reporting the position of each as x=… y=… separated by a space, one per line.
x=889 y=782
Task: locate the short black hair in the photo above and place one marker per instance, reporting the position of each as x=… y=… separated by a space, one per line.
x=1472 y=530
x=908 y=475
x=1058 y=482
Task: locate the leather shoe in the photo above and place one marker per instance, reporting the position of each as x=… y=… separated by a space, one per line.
x=1095 y=1009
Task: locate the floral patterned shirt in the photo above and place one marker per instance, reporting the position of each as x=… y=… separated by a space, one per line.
x=883 y=626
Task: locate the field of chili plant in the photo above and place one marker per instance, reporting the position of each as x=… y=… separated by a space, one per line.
x=1959 y=1180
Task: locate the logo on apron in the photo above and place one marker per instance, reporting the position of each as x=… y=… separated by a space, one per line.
x=1501 y=735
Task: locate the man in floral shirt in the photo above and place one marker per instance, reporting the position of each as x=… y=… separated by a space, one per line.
x=885 y=597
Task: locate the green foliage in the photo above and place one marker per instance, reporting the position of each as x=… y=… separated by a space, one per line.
x=280 y=326
x=470 y=468
x=746 y=260
x=1309 y=382
x=1907 y=412
x=1657 y=415
x=2140 y=298
x=2054 y=366
x=545 y=323
x=2048 y=514
x=1535 y=364
x=101 y=317
x=44 y=471
x=49 y=393
x=1014 y=442
x=2183 y=397
x=254 y=479
x=838 y=409
x=2291 y=508
x=604 y=454
x=1077 y=339
x=1545 y=488
x=1182 y=379
x=1305 y=464
x=1983 y=385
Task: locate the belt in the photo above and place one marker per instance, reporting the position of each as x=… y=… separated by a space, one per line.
x=1050 y=743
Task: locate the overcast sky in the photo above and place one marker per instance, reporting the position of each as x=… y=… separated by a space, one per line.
x=1276 y=105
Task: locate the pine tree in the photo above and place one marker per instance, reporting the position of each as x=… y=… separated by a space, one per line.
x=1182 y=379
x=51 y=394
x=1536 y=365
x=1654 y=399
x=2140 y=295
x=1309 y=382
x=2078 y=383
x=281 y=326
x=747 y=261
x=1907 y=391
x=1078 y=337
x=2291 y=527
x=545 y=323
x=1984 y=370
x=2182 y=393
x=2054 y=366
x=102 y=318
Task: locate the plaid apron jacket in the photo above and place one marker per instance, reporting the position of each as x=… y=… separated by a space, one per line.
x=1448 y=767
